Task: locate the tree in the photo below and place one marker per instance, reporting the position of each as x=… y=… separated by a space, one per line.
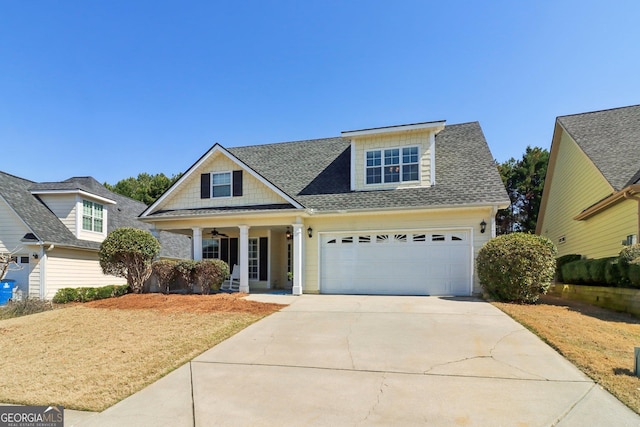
x=8 y=263
x=524 y=181
x=145 y=188
x=128 y=252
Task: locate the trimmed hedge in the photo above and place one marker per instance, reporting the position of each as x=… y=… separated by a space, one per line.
x=516 y=267
x=561 y=261
x=66 y=295
x=620 y=271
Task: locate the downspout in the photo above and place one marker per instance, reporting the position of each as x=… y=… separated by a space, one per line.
x=43 y=269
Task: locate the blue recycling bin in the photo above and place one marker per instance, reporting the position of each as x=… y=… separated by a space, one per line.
x=6 y=290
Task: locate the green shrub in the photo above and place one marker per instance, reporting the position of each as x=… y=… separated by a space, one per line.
x=185 y=270
x=628 y=256
x=65 y=295
x=24 y=307
x=516 y=267
x=128 y=252
x=165 y=272
x=612 y=275
x=634 y=275
x=84 y=294
x=210 y=273
x=561 y=261
x=597 y=271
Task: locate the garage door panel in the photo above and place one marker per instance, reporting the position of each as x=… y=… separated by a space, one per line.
x=400 y=263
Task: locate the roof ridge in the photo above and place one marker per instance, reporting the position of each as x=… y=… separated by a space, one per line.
x=598 y=111
x=286 y=142
x=17 y=177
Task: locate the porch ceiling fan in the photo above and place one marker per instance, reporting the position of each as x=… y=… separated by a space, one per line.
x=216 y=233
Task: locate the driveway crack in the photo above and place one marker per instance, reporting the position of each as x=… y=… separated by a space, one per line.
x=381 y=389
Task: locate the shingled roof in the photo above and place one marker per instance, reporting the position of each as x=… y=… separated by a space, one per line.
x=47 y=227
x=611 y=139
x=316 y=173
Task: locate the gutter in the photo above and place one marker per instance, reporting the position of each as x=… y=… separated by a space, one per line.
x=633 y=195
x=628 y=192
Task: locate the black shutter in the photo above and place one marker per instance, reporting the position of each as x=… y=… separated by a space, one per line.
x=237 y=183
x=205 y=186
x=233 y=252
x=263 y=254
x=224 y=251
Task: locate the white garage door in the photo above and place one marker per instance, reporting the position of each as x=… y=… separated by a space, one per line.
x=396 y=263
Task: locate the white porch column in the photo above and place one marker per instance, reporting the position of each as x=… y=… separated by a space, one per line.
x=244 y=258
x=197 y=243
x=298 y=241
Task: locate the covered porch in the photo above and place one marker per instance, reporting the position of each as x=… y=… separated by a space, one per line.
x=269 y=256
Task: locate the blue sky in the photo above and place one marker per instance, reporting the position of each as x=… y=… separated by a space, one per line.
x=114 y=88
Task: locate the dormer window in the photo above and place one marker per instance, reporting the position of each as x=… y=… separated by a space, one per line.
x=92 y=216
x=392 y=165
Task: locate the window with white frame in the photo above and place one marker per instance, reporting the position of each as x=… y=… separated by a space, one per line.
x=92 y=216
x=221 y=184
x=210 y=248
x=392 y=165
x=254 y=262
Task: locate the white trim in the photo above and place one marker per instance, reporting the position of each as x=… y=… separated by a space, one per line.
x=243 y=241
x=382 y=166
x=215 y=149
x=432 y=153
x=80 y=192
x=353 y=166
x=298 y=263
x=439 y=125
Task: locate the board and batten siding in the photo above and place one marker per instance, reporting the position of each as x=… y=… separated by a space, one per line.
x=67 y=268
x=576 y=185
x=425 y=220
x=362 y=144
x=187 y=195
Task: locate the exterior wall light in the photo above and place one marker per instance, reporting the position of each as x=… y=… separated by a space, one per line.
x=35 y=255
x=310 y=232
x=288 y=234
x=483 y=226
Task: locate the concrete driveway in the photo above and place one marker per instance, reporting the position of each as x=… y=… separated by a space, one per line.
x=372 y=360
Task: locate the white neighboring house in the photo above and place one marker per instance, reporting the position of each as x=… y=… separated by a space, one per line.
x=55 y=229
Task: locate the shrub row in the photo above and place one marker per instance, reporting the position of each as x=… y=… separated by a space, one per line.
x=208 y=274
x=66 y=295
x=620 y=271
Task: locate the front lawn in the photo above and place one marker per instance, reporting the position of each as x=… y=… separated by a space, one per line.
x=598 y=341
x=90 y=356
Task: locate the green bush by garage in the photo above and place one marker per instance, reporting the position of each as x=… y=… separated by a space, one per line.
x=620 y=271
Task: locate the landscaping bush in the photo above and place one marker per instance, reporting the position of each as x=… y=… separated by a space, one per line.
x=629 y=256
x=165 y=272
x=516 y=267
x=128 y=252
x=85 y=294
x=612 y=276
x=24 y=307
x=561 y=261
x=597 y=269
x=185 y=270
x=210 y=273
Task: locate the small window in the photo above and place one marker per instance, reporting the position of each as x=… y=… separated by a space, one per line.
x=221 y=184
x=92 y=216
x=631 y=239
x=419 y=237
x=210 y=248
x=456 y=238
x=400 y=237
x=392 y=165
x=437 y=238
x=381 y=238
x=364 y=239
x=562 y=239
x=347 y=239
x=331 y=241
x=24 y=260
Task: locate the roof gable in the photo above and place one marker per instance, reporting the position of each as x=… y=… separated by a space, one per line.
x=173 y=199
x=611 y=139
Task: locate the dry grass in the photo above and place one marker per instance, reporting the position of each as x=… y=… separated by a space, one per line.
x=600 y=342
x=90 y=356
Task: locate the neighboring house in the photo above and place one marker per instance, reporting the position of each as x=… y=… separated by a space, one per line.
x=393 y=210
x=55 y=229
x=591 y=199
